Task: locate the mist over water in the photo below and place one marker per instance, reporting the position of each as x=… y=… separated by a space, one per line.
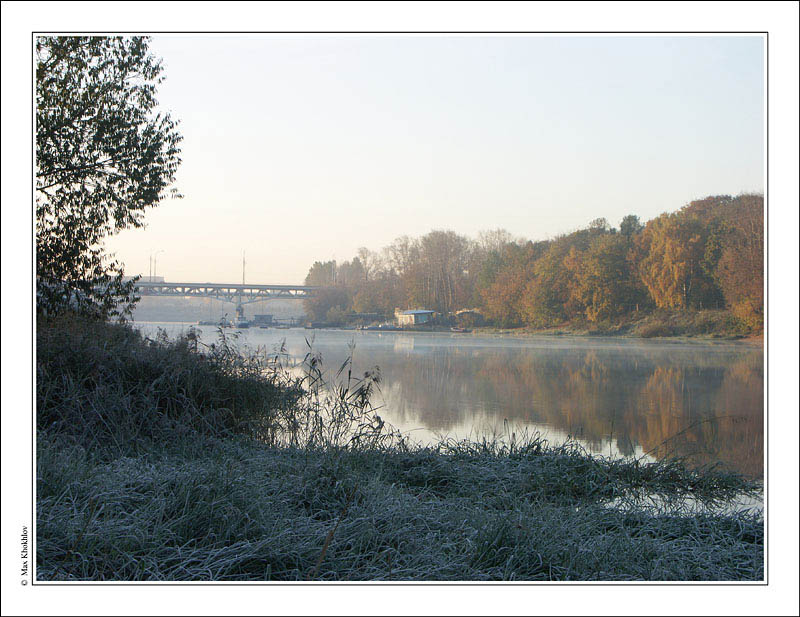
x=704 y=401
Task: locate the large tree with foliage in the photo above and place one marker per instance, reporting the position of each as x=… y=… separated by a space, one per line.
x=442 y=272
x=735 y=252
x=321 y=274
x=549 y=298
x=502 y=282
x=603 y=286
x=104 y=154
x=324 y=300
x=674 y=248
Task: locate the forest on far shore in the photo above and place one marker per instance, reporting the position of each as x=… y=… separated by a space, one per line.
x=707 y=255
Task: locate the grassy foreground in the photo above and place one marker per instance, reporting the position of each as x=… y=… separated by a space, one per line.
x=156 y=462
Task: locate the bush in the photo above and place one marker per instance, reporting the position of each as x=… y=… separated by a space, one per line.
x=750 y=315
x=653 y=329
x=469 y=319
x=109 y=389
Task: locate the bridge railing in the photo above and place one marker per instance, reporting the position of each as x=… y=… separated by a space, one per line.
x=233 y=292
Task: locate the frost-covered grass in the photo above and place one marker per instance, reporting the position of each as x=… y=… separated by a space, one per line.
x=156 y=463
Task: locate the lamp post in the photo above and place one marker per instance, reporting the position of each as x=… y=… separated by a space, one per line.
x=155 y=262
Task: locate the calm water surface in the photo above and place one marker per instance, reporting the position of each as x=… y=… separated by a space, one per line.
x=616 y=396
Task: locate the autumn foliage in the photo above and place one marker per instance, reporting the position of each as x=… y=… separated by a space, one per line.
x=708 y=255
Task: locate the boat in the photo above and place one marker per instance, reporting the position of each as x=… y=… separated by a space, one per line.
x=457 y=329
x=220 y=323
x=383 y=328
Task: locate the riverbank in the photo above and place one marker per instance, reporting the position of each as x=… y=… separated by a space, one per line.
x=156 y=462
x=701 y=325
x=709 y=325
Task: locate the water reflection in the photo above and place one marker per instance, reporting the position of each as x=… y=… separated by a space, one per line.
x=702 y=401
x=704 y=404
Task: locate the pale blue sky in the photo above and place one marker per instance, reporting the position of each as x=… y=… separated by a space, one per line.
x=301 y=148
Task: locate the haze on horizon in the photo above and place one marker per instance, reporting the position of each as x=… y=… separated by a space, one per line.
x=303 y=148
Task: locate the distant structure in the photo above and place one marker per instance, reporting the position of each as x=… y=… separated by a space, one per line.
x=413 y=317
x=262 y=320
x=144 y=279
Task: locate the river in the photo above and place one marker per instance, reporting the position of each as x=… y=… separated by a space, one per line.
x=701 y=400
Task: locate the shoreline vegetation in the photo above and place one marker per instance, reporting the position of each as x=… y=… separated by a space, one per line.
x=675 y=326
x=186 y=460
x=700 y=326
x=708 y=325
x=698 y=271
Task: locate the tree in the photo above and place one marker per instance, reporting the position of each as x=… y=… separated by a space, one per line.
x=103 y=155
x=547 y=293
x=401 y=255
x=369 y=299
x=600 y=224
x=494 y=240
x=319 y=305
x=503 y=280
x=630 y=226
x=321 y=274
x=734 y=255
x=370 y=263
x=740 y=269
x=443 y=270
x=350 y=274
x=672 y=269
x=603 y=285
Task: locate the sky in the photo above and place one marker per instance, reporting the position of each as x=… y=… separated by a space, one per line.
x=300 y=148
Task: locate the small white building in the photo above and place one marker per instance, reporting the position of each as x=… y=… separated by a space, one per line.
x=415 y=317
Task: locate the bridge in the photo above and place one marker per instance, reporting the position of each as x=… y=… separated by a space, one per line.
x=236 y=293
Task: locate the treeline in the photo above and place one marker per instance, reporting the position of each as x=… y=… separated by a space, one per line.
x=708 y=255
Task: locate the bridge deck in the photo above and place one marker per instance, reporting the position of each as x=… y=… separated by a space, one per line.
x=232 y=292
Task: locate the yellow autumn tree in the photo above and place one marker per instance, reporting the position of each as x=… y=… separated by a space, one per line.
x=602 y=284
x=674 y=247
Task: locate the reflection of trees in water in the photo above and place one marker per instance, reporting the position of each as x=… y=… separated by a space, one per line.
x=674 y=410
x=707 y=415
x=742 y=393
x=707 y=405
x=433 y=388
